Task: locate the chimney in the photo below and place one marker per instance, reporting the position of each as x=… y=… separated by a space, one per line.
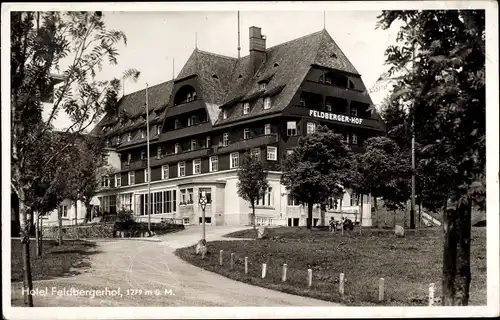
x=257 y=49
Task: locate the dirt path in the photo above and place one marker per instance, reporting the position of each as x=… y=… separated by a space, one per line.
x=148 y=273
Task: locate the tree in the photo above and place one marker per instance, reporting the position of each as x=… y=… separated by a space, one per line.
x=252 y=181
x=318 y=168
x=39 y=42
x=445 y=92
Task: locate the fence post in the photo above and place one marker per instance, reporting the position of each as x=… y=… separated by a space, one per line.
x=232 y=260
x=246 y=265
x=341 y=285
x=220 y=257
x=381 y=289
x=309 y=277
x=283 y=276
x=431 y=294
x=264 y=270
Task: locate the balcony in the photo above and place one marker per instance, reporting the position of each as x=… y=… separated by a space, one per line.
x=183 y=156
x=326 y=89
x=186 y=107
x=249 y=143
x=186 y=132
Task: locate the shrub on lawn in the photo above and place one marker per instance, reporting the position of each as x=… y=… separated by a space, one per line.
x=90 y=231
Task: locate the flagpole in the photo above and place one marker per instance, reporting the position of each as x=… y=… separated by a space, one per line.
x=148 y=169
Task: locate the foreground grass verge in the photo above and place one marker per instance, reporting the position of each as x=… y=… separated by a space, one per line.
x=56 y=261
x=407 y=264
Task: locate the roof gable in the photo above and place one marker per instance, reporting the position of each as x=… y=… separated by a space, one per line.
x=331 y=56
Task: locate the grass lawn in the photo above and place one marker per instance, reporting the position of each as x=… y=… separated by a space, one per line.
x=407 y=264
x=56 y=261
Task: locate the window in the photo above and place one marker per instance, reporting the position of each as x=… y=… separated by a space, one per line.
x=106 y=143
x=328 y=80
x=181 y=169
x=108 y=203
x=118 y=180
x=194 y=145
x=225 y=139
x=354 y=139
x=143 y=134
x=208 y=142
x=186 y=196
x=263 y=86
x=177 y=124
x=267 y=103
x=185 y=221
x=354 y=199
x=129 y=158
x=311 y=127
x=354 y=111
x=131 y=177
x=328 y=106
x=190 y=122
x=224 y=114
x=158 y=153
x=214 y=163
x=272 y=153
x=246 y=133
x=197 y=166
x=321 y=78
x=118 y=139
x=64 y=211
x=105 y=160
x=246 y=108
x=164 y=171
x=177 y=148
x=302 y=102
x=194 y=95
x=143 y=155
x=256 y=152
x=129 y=136
x=266 y=199
x=291 y=128
x=292 y=201
x=169 y=201
x=126 y=201
x=267 y=128
x=158 y=129
x=346 y=137
x=183 y=197
x=194 y=120
x=188 y=97
x=146 y=175
x=235 y=160
x=208 y=194
x=105 y=181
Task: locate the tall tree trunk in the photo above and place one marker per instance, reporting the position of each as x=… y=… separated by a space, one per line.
x=37 y=233
x=76 y=218
x=341 y=218
x=25 y=240
x=456 y=253
x=59 y=220
x=361 y=215
x=309 y=214
x=420 y=214
x=253 y=219
x=41 y=233
x=323 y=213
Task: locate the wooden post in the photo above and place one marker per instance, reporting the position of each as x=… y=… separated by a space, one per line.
x=381 y=289
x=220 y=257
x=341 y=285
x=431 y=294
x=264 y=270
x=283 y=275
x=246 y=265
x=232 y=260
x=309 y=277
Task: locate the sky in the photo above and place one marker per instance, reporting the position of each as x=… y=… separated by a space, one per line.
x=160 y=42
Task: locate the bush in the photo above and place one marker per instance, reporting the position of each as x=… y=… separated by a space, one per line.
x=84 y=231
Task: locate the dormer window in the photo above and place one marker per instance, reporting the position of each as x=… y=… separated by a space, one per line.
x=158 y=129
x=177 y=124
x=225 y=139
x=129 y=158
x=246 y=108
x=224 y=114
x=263 y=86
x=106 y=143
x=193 y=96
x=188 y=97
x=267 y=103
x=246 y=133
x=215 y=76
x=118 y=139
x=276 y=64
x=193 y=144
x=143 y=134
x=208 y=142
x=158 y=153
x=177 y=148
x=143 y=155
x=129 y=136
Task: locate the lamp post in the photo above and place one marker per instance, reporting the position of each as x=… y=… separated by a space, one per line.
x=203 y=204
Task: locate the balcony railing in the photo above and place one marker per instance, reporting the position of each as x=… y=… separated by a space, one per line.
x=249 y=143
